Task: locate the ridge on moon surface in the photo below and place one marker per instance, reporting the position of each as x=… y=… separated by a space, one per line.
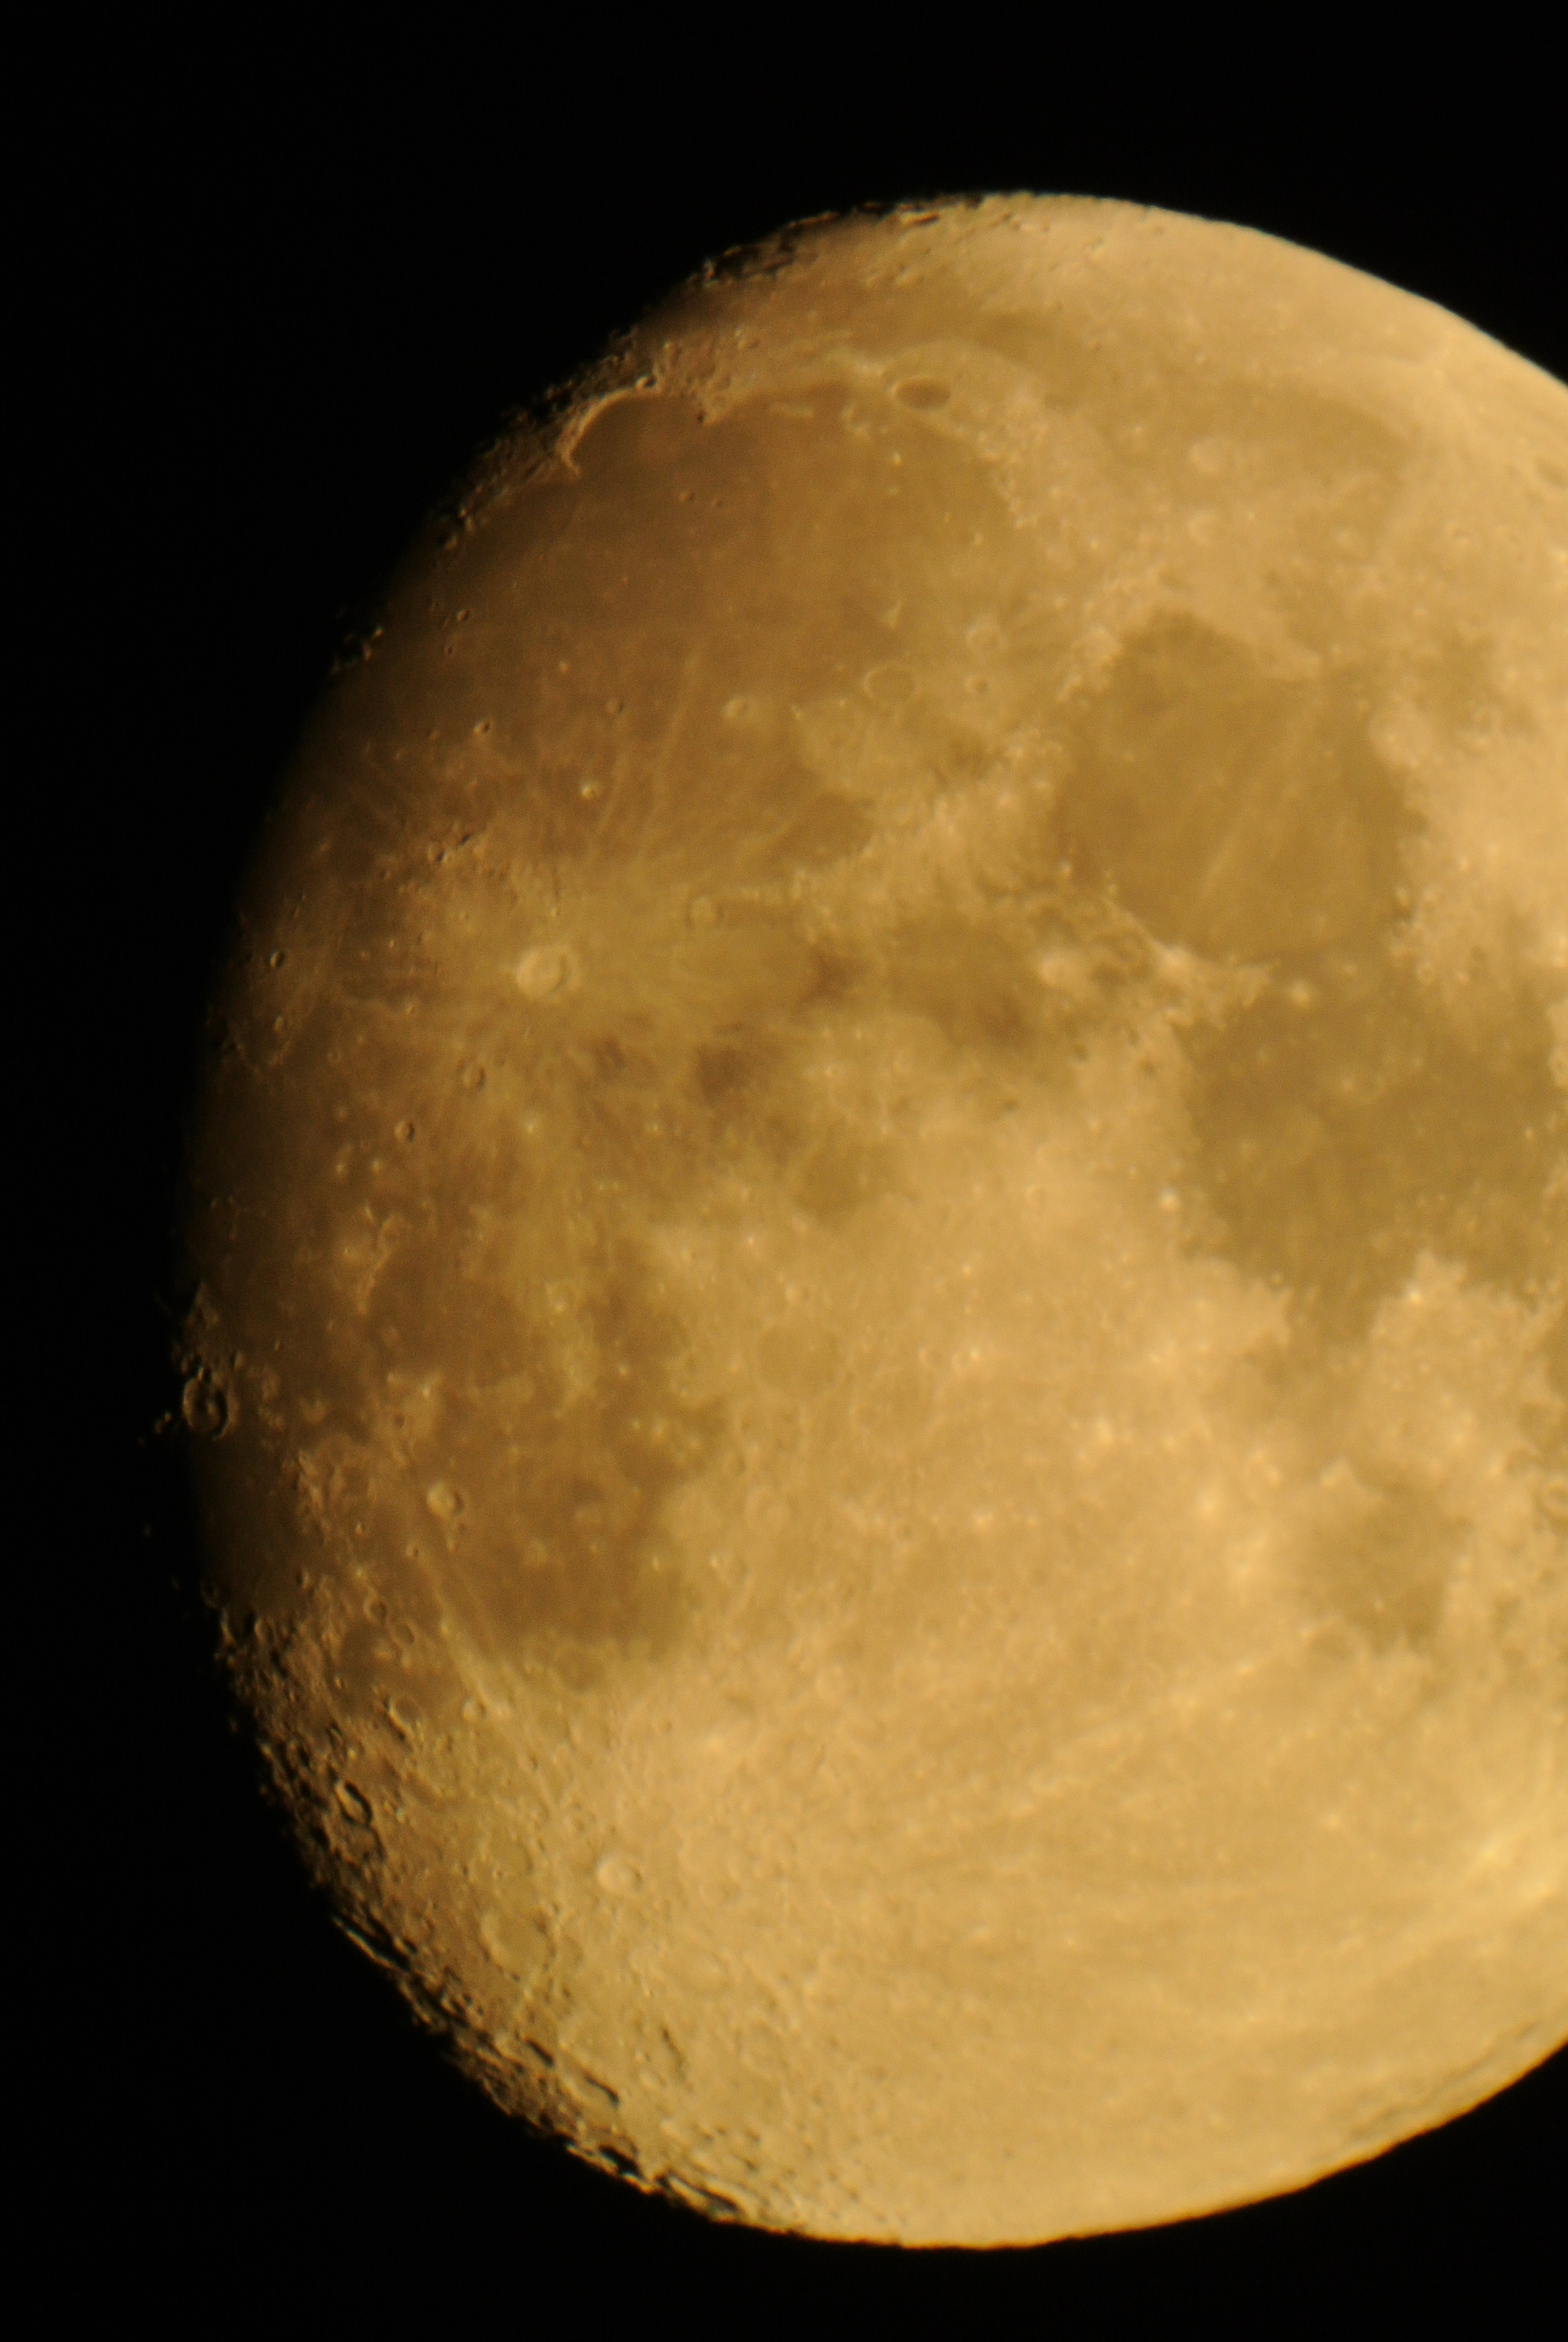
x=881 y=1368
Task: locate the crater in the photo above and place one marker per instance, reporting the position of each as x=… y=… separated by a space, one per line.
x=545 y=972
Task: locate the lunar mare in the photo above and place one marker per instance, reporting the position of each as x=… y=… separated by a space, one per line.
x=881 y=1367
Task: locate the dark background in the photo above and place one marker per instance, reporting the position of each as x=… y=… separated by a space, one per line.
x=292 y=294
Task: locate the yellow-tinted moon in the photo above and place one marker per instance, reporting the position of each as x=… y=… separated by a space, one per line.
x=882 y=1366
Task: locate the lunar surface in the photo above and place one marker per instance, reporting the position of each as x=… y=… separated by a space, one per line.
x=881 y=1368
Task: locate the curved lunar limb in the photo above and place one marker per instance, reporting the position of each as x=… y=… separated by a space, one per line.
x=881 y=1369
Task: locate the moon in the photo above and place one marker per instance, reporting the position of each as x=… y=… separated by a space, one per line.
x=881 y=1368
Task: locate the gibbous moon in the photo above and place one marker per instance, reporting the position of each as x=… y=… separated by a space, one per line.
x=881 y=1360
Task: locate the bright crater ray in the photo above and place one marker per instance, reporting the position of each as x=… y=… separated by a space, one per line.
x=883 y=1220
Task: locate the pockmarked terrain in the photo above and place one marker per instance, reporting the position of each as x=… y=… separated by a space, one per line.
x=881 y=1364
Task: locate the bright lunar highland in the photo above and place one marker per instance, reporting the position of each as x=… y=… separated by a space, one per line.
x=880 y=1360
